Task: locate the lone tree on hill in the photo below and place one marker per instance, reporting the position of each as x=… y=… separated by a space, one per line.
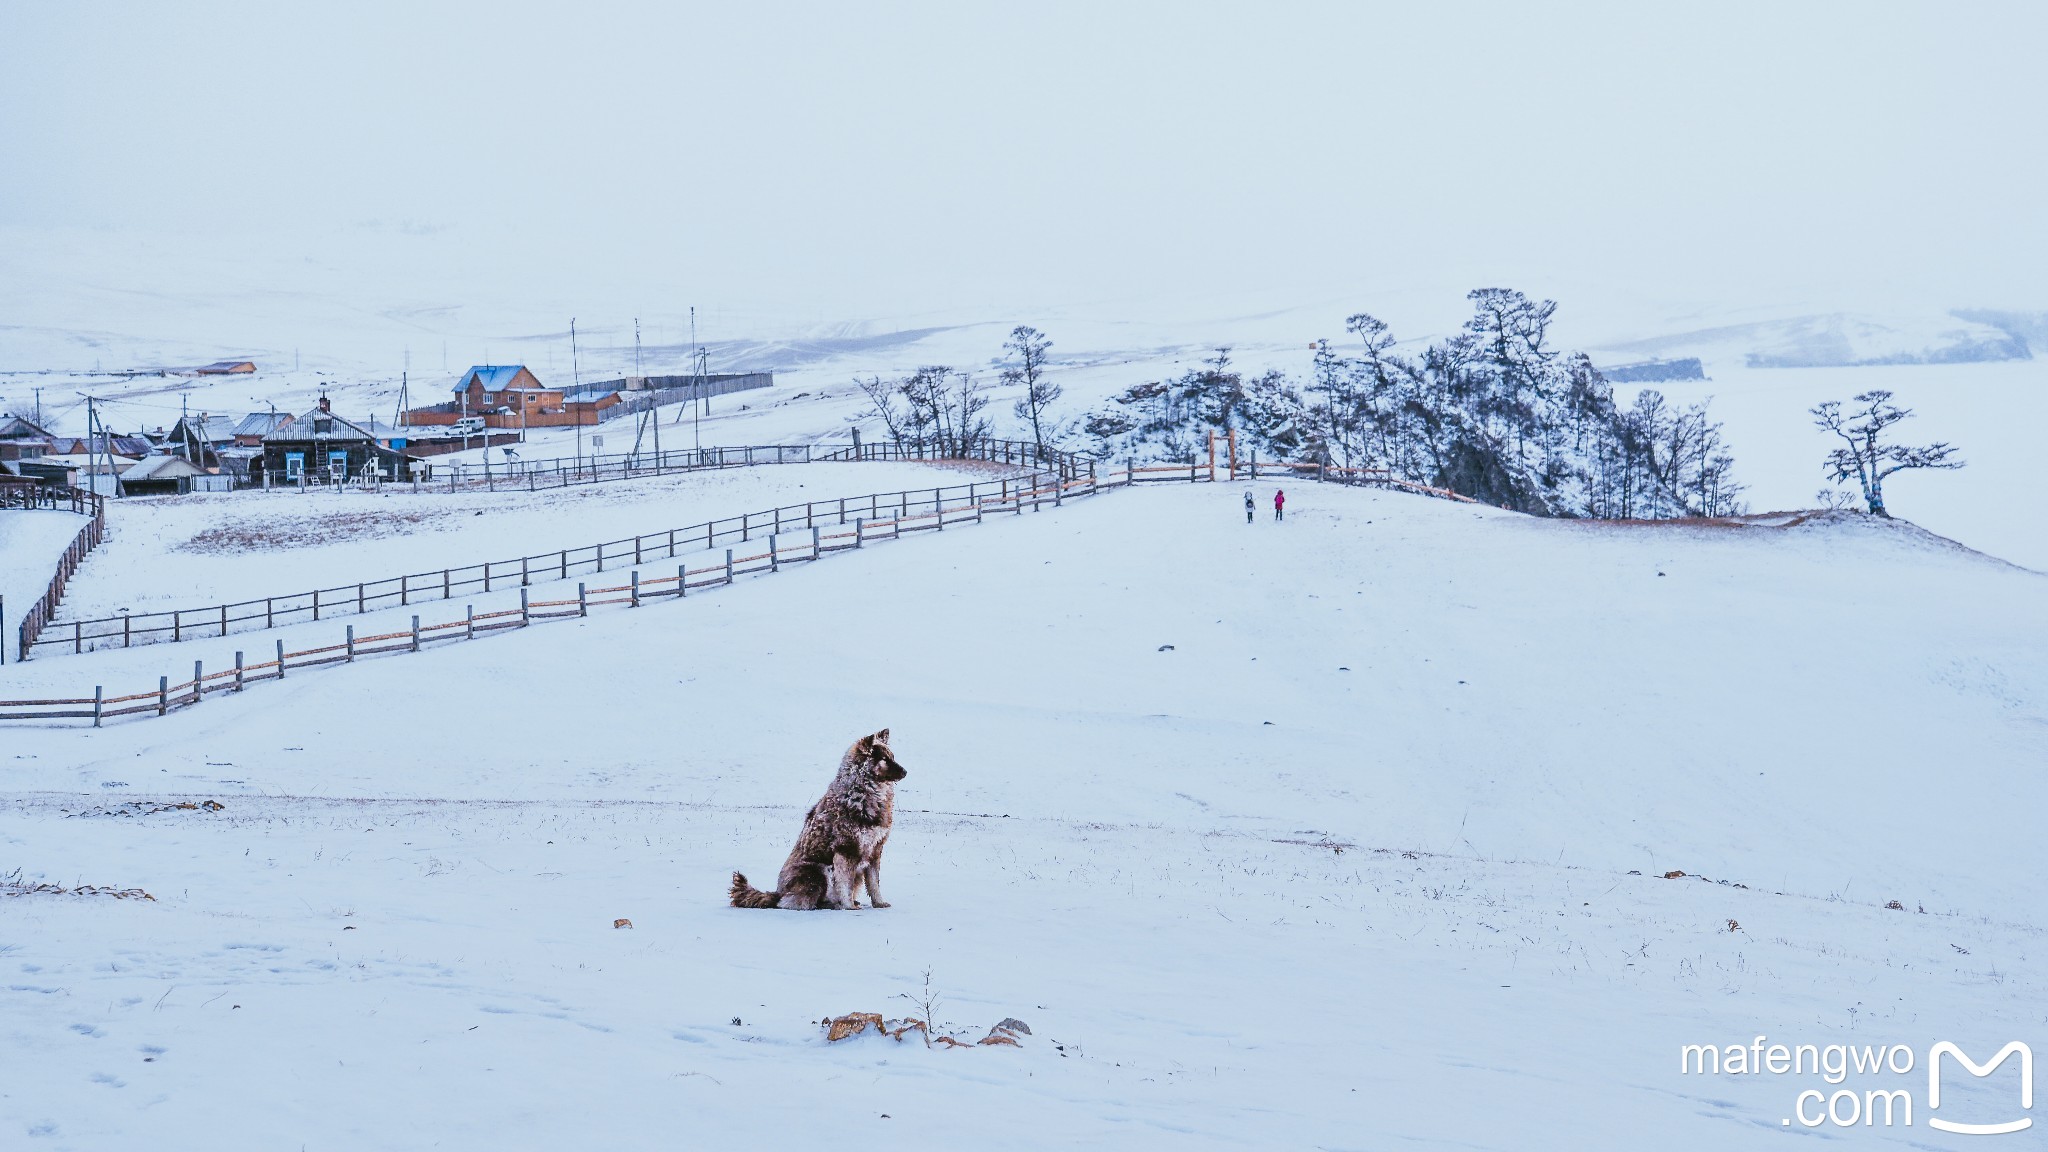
x=1029 y=345
x=1865 y=456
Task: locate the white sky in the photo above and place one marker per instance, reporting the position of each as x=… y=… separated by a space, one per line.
x=860 y=161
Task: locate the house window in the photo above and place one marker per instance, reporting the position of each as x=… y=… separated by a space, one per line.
x=322 y=425
x=337 y=463
x=294 y=465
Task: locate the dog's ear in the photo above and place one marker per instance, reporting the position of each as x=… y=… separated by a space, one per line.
x=881 y=737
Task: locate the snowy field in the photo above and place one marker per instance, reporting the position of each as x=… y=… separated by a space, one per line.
x=169 y=552
x=1371 y=855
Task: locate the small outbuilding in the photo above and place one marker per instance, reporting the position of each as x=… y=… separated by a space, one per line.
x=160 y=476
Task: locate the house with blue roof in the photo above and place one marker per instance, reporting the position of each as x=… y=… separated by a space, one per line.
x=512 y=387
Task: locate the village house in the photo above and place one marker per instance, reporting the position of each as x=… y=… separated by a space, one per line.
x=225 y=368
x=23 y=439
x=163 y=476
x=511 y=396
x=318 y=445
x=198 y=439
x=511 y=387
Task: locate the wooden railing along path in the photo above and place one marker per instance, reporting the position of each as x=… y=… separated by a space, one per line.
x=88 y=504
x=968 y=504
x=132 y=629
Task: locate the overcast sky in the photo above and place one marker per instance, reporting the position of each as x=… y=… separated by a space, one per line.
x=870 y=161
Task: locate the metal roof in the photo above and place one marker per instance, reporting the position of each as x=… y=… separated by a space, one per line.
x=262 y=423
x=211 y=429
x=160 y=468
x=497 y=378
x=304 y=427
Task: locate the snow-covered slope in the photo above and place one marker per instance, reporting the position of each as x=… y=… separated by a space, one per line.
x=30 y=544
x=1345 y=832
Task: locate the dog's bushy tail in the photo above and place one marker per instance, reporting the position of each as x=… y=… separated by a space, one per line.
x=745 y=895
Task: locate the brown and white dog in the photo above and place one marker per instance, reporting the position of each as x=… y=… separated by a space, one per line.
x=840 y=847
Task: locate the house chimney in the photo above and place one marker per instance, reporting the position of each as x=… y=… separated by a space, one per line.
x=323 y=405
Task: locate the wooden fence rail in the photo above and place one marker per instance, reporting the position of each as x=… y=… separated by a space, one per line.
x=127 y=631
x=969 y=504
x=89 y=504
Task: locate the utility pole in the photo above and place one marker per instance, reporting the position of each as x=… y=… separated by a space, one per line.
x=404 y=398
x=696 y=384
x=576 y=374
x=184 y=423
x=39 y=406
x=92 y=458
x=653 y=395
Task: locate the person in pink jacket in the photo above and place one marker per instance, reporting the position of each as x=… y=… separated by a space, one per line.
x=1279 y=504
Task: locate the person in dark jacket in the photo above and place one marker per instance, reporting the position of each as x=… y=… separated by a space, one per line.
x=1279 y=504
x=1247 y=506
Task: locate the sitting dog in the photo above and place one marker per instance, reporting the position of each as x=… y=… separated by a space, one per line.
x=840 y=847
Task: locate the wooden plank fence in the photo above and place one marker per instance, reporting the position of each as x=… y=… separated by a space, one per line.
x=88 y=504
x=968 y=504
x=127 y=631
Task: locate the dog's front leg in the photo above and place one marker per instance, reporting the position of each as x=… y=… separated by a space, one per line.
x=871 y=873
x=843 y=882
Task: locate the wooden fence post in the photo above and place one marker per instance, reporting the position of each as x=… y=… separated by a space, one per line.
x=859 y=530
x=163 y=695
x=351 y=643
x=524 y=617
x=582 y=599
x=223 y=619
x=938 y=509
x=636 y=588
x=728 y=565
x=280 y=659
x=198 y=674
x=469 y=621
x=415 y=633
x=238 y=672
x=682 y=580
x=99 y=699
x=359 y=599
x=774 y=561
x=522 y=571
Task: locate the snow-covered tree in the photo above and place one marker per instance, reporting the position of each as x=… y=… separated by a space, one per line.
x=1864 y=456
x=1027 y=347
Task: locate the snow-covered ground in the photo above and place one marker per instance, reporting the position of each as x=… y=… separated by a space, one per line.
x=31 y=541
x=1343 y=832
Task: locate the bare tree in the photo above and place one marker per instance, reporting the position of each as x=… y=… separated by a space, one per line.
x=882 y=394
x=1029 y=346
x=1864 y=456
x=945 y=408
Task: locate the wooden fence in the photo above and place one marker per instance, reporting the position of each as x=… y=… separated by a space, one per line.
x=517 y=475
x=127 y=631
x=969 y=504
x=85 y=503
